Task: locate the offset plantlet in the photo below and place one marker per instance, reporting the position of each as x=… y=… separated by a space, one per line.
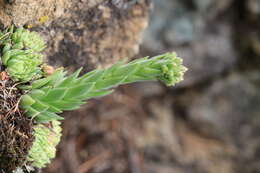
x=40 y=96
x=21 y=54
x=56 y=93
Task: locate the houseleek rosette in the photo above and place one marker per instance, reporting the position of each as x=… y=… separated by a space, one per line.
x=44 y=146
x=21 y=53
x=44 y=97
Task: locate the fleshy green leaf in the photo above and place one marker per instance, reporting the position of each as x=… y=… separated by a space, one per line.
x=21 y=54
x=58 y=92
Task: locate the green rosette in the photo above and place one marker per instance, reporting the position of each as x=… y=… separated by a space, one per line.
x=21 y=54
x=44 y=145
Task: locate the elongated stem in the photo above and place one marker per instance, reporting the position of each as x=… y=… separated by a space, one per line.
x=166 y=67
x=57 y=93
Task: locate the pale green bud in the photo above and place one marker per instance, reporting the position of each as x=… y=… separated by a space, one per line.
x=44 y=146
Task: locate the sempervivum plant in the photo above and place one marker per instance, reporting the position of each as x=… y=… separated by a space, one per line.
x=32 y=95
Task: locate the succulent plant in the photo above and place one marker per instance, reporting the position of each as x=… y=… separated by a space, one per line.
x=42 y=93
x=44 y=146
x=57 y=92
x=21 y=53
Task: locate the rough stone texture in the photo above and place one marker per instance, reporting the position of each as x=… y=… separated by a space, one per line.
x=183 y=149
x=88 y=33
x=31 y=12
x=223 y=106
x=98 y=36
x=254 y=7
x=228 y=113
x=248 y=37
x=197 y=32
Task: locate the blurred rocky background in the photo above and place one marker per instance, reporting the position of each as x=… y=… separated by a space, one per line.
x=209 y=123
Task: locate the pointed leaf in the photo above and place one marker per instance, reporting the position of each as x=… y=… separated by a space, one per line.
x=55 y=94
x=96 y=94
x=30 y=112
x=94 y=77
x=37 y=93
x=40 y=83
x=40 y=106
x=26 y=101
x=108 y=83
x=67 y=105
x=47 y=116
x=69 y=80
x=79 y=90
x=126 y=70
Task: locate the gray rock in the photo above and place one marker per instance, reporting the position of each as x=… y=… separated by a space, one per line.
x=253 y=6
x=228 y=109
x=195 y=32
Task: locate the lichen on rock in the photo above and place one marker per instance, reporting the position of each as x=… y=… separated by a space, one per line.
x=30 y=11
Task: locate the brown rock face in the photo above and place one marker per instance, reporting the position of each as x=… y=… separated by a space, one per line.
x=21 y=12
x=96 y=36
x=89 y=33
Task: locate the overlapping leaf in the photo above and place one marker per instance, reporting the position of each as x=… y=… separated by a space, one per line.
x=21 y=53
x=58 y=92
x=44 y=145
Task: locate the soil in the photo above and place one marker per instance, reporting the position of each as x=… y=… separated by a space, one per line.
x=15 y=128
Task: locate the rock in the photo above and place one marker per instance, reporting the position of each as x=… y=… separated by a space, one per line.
x=31 y=12
x=196 y=33
x=96 y=37
x=212 y=7
x=212 y=129
x=171 y=145
x=210 y=56
x=222 y=108
x=228 y=111
x=91 y=33
x=253 y=6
